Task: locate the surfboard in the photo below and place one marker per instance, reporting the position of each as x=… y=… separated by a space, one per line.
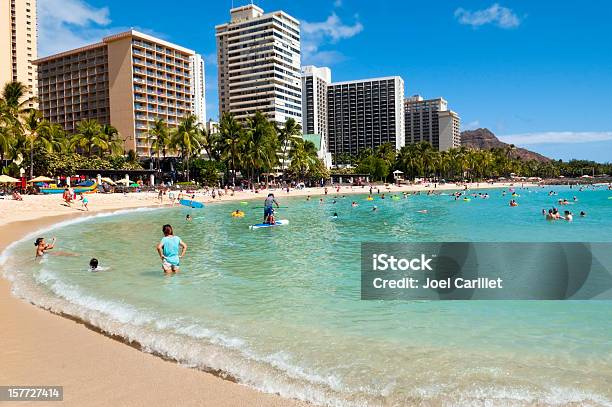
x=191 y=204
x=279 y=222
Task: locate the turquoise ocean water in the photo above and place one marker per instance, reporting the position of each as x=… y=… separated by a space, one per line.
x=279 y=308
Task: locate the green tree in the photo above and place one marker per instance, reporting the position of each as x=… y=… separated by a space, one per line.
x=260 y=146
x=186 y=139
x=287 y=134
x=232 y=141
x=160 y=135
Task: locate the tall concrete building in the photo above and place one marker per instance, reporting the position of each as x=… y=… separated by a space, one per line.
x=128 y=80
x=258 y=59
x=314 y=100
x=18 y=42
x=198 y=87
x=365 y=114
x=431 y=120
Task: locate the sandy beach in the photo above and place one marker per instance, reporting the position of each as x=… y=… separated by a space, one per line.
x=41 y=348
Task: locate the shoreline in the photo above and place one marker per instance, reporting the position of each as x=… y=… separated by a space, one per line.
x=41 y=347
x=83 y=356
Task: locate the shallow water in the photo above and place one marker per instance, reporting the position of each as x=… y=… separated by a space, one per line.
x=279 y=308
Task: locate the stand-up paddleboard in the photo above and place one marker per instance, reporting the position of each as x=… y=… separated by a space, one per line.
x=279 y=222
x=191 y=204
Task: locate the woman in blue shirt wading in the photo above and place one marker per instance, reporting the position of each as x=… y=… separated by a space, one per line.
x=168 y=250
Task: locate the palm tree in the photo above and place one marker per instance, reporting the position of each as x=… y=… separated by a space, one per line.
x=261 y=144
x=111 y=137
x=211 y=143
x=160 y=134
x=13 y=95
x=232 y=140
x=303 y=156
x=89 y=137
x=186 y=138
x=6 y=142
x=33 y=124
x=289 y=132
x=53 y=137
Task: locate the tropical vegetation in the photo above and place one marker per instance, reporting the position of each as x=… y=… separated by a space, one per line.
x=251 y=151
x=421 y=160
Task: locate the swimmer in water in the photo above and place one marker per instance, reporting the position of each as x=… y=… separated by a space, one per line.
x=308 y=198
x=188 y=218
x=582 y=214
x=375 y=208
x=354 y=204
x=568 y=216
x=42 y=247
x=335 y=215
x=93 y=265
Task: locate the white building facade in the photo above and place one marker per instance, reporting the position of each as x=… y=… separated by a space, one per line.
x=314 y=99
x=258 y=58
x=198 y=87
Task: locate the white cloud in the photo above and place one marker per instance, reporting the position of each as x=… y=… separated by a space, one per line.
x=556 y=137
x=503 y=17
x=68 y=24
x=317 y=34
x=471 y=125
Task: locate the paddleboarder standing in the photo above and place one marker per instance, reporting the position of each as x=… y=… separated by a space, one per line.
x=269 y=209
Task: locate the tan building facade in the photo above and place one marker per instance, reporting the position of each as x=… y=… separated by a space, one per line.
x=18 y=42
x=430 y=120
x=128 y=80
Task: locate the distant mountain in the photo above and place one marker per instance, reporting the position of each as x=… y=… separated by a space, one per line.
x=484 y=139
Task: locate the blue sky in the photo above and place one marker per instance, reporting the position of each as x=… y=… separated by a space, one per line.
x=537 y=73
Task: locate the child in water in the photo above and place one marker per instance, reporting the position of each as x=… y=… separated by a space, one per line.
x=93 y=265
x=168 y=250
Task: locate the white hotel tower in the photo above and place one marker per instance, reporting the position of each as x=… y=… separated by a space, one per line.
x=198 y=87
x=258 y=59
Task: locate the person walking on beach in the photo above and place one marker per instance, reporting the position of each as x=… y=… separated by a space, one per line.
x=84 y=202
x=168 y=250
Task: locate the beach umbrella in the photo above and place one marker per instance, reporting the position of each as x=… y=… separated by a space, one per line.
x=41 y=179
x=5 y=179
x=107 y=180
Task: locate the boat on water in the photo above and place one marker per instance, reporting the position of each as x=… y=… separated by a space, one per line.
x=85 y=187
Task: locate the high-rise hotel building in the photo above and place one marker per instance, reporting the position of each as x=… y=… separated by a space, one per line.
x=18 y=42
x=314 y=100
x=258 y=59
x=365 y=114
x=430 y=120
x=128 y=80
